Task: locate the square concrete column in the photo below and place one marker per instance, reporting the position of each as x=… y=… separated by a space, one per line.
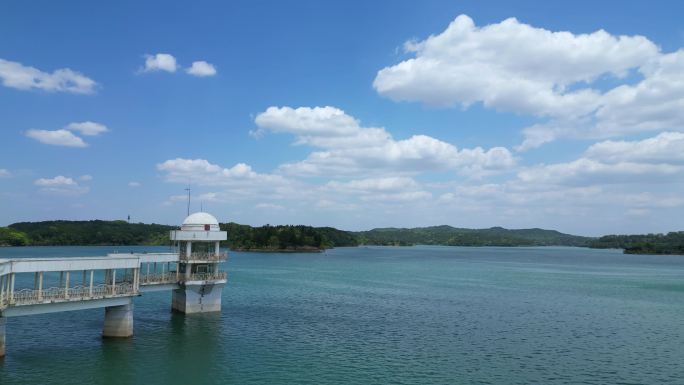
x=118 y=321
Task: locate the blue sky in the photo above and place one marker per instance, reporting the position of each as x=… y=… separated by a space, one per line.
x=350 y=114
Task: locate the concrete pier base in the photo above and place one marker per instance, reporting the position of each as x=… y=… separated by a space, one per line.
x=3 y=320
x=118 y=321
x=197 y=298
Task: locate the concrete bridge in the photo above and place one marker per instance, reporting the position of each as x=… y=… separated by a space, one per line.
x=31 y=286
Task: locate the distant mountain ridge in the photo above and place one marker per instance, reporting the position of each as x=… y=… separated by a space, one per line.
x=307 y=238
x=455 y=236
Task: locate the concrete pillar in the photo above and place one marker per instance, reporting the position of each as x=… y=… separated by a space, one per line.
x=217 y=248
x=197 y=298
x=118 y=321
x=2 y=336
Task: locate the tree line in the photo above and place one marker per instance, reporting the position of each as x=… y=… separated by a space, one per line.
x=307 y=238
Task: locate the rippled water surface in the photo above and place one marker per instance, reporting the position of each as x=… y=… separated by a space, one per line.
x=418 y=315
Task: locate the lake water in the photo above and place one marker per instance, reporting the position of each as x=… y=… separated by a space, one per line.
x=417 y=315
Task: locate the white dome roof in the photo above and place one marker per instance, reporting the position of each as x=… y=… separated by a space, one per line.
x=200 y=218
x=200 y=222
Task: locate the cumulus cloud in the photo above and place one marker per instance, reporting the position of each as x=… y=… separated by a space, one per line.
x=350 y=148
x=59 y=137
x=201 y=69
x=65 y=136
x=511 y=66
x=86 y=178
x=160 y=62
x=19 y=76
x=514 y=67
x=4 y=173
x=134 y=184
x=60 y=185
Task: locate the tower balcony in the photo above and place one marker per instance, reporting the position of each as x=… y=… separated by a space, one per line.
x=212 y=276
x=204 y=257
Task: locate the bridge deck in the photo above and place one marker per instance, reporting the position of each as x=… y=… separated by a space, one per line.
x=127 y=283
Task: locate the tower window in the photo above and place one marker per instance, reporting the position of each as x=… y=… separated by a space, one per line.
x=206 y=227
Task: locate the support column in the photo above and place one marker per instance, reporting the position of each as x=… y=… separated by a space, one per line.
x=90 y=290
x=188 y=250
x=217 y=248
x=118 y=321
x=2 y=336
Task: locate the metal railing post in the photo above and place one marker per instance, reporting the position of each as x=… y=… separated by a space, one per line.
x=40 y=286
x=66 y=286
x=11 y=288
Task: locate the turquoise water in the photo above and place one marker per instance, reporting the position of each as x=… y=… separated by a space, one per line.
x=419 y=315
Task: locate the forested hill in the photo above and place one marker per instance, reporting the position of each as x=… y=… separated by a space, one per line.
x=240 y=237
x=453 y=236
x=670 y=243
x=97 y=232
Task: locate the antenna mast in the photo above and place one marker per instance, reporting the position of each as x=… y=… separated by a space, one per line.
x=188 y=190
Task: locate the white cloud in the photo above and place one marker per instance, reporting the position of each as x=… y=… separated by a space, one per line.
x=59 y=137
x=160 y=62
x=86 y=178
x=65 y=136
x=666 y=147
x=657 y=159
x=374 y=184
x=587 y=172
x=16 y=75
x=4 y=173
x=201 y=69
x=56 y=181
x=134 y=184
x=512 y=66
x=350 y=148
x=238 y=181
x=654 y=103
x=88 y=128
x=268 y=206
x=60 y=185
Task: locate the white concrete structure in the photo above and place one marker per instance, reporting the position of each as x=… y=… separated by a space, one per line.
x=112 y=282
x=198 y=241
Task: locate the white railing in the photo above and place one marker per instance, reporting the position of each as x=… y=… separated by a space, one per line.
x=59 y=294
x=158 y=278
x=202 y=256
x=207 y=276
